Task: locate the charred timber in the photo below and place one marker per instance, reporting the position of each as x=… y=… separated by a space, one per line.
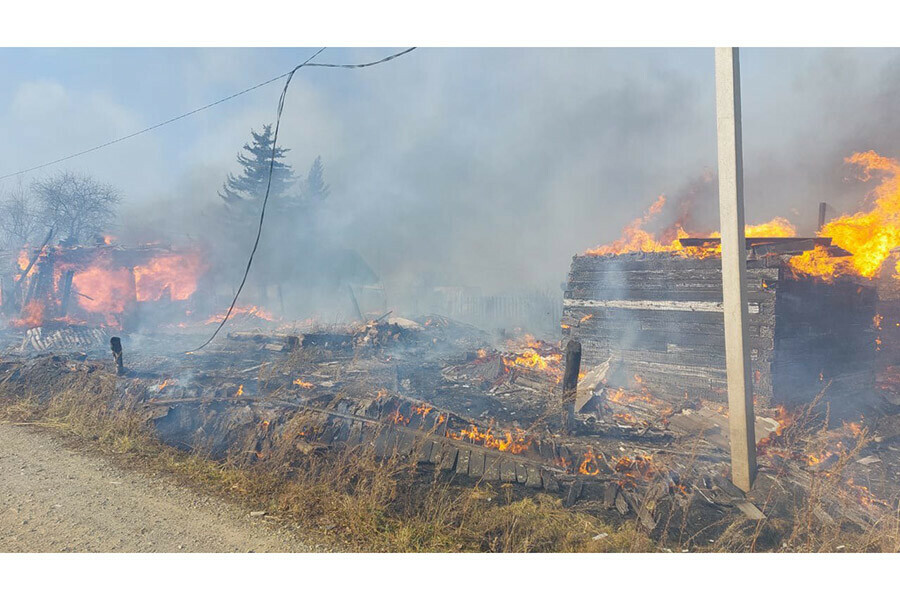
x=660 y=317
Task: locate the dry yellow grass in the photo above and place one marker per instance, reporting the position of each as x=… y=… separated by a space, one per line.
x=356 y=502
x=349 y=498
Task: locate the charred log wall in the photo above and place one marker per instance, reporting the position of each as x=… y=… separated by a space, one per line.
x=887 y=324
x=660 y=316
x=824 y=333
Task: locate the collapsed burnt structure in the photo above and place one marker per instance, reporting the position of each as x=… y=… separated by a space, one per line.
x=659 y=316
x=100 y=286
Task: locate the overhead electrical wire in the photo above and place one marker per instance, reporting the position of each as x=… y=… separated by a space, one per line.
x=262 y=213
x=287 y=74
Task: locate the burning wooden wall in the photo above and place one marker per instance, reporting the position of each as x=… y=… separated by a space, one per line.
x=101 y=285
x=659 y=315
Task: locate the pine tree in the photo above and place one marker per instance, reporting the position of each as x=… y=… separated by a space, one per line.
x=244 y=193
x=315 y=189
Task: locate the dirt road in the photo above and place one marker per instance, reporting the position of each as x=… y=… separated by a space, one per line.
x=55 y=499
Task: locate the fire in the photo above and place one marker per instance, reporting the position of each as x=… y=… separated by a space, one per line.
x=104 y=289
x=814 y=460
x=32 y=315
x=176 y=274
x=640 y=468
x=532 y=359
x=106 y=284
x=302 y=384
x=515 y=441
x=863 y=495
x=247 y=311
x=636 y=239
x=422 y=409
x=589 y=465
x=585 y=318
x=240 y=390
x=868 y=235
x=534 y=354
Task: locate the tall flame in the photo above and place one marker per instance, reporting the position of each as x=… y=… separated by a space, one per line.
x=636 y=239
x=869 y=236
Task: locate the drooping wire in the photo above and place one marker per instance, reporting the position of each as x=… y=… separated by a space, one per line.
x=197 y=110
x=262 y=213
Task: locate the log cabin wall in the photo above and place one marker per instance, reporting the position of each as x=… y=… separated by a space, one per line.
x=660 y=317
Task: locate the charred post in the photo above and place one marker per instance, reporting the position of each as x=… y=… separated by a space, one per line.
x=570 y=382
x=115 y=343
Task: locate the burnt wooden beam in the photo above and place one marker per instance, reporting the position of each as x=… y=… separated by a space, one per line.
x=570 y=382
x=115 y=344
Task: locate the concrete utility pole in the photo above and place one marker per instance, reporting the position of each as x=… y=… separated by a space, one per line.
x=741 y=418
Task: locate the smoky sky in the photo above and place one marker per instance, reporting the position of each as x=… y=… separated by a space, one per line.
x=478 y=167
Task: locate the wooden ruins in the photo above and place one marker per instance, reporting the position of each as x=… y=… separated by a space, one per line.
x=659 y=316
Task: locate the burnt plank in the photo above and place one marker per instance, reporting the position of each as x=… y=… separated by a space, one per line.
x=533 y=478
x=425 y=451
x=521 y=473
x=507 y=470
x=476 y=464
x=448 y=458
x=492 y=467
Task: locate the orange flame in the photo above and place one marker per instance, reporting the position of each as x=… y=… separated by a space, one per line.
x=32 y=315
x=589 y=465
x=302 y=384
x=868 y=235
x=636 y=239
x=515 y=441
x=177 y=274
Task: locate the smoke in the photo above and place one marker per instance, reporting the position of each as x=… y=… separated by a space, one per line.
x=484 y=168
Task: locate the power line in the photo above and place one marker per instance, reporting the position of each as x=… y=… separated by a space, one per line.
x=262 y=213
x=287 y=74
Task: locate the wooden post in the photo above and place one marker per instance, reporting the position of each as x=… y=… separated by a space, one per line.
x=570 y=382
x=822 y=205
x=734 y=268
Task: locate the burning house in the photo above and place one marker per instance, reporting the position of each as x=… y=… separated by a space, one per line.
x=659 y=316
x=102 y=286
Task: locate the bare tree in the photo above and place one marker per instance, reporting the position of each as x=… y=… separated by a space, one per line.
x=19 y=220
x=76 y=206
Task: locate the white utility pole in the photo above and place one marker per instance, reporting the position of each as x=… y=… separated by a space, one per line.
x=741 y=417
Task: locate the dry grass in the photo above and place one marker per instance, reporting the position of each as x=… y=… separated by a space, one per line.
x=348 y=498
x=351 y=500
x=830 y=513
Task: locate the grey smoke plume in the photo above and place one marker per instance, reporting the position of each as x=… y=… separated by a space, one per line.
x=492 y=167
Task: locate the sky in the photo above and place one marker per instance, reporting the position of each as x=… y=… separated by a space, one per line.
x=481 y=167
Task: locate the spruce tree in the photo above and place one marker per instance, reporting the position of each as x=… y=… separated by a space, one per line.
x=315 y=189
x=244 y=193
